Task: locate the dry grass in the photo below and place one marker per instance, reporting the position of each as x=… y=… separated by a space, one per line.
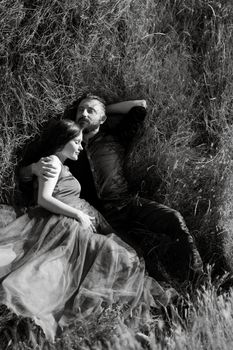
x=206 y=323
x=176 y=54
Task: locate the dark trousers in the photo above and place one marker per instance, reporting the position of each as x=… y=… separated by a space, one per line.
x=160 y=234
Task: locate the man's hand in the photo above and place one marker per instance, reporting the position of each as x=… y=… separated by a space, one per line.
x=141 y=103
x=45 y=168
x=89 y=134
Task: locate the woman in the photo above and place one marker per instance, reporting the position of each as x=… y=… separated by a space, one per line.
x=60 y=261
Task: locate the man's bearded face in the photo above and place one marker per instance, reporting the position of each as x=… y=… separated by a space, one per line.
x=90 y=114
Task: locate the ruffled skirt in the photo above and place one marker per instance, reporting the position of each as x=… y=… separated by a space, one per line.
x=54 y=271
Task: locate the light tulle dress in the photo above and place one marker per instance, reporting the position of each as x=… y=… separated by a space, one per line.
x=55 y=271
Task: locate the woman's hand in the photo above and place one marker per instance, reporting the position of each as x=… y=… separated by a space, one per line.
x=45 y=168
x=85 y=220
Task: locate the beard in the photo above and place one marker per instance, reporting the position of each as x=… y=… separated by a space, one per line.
x=83 y=122
x=90 y=129
x=87 y=126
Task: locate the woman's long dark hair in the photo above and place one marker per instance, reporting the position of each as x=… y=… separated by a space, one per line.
x=55 y=134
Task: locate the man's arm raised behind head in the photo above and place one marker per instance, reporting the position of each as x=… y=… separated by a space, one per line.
x=126 y=118
x=124 y=107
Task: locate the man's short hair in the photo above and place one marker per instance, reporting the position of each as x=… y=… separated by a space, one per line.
x=92 y=97
x=71 y=111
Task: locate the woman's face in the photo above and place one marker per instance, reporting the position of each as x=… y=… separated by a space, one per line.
x=72 y=148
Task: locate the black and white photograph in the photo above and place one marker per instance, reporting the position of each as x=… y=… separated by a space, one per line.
x=116 y=178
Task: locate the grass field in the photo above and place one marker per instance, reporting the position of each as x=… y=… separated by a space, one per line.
x=176 y=54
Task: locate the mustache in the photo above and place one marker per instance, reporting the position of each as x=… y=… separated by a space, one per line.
x=83 y=120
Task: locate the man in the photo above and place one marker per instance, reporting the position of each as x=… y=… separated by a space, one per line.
x=157 y=232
